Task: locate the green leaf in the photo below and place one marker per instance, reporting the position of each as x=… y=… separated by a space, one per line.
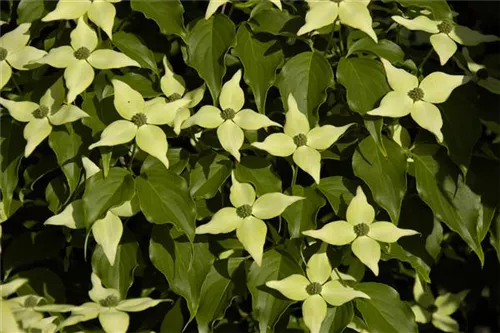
x=209 y=174
x=374 y=127
x=384 y=312
x=398 y=253
x=101 y=193
x=385 y=176
x=268 y=19
x=365 y=82
x=257 y=171
x=306 y=76
x=268 y=305
x=164 y=198
x=439 y=8
x=42 y=282
x=301 y=215
x=173 y=322
x=384 y=49
x=168 y=14
x=442 y=188
x=260 y=59
x=495 y=235
x=30 y=10
x=339 y=191
x=56 y=193
x=217 y=291
x=337 y=318
x=178 y=159
x=184 y=264
x=11 y=151
x=208 y=42
x=140 y=83
x=120 y=276
x=132 y=46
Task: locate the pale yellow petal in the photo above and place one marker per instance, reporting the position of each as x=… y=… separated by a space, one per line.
x=309 y=160
x=368 y=252
x=251 y=120
x=152 y=140
x=399 y=79
x=355 y=14
x=68 y=10
x=334 y=233
x=444 y=46
x=318 y=16
x=322 y=137
x=438 y=86
x=277 y=144
x=292 y=287
x=359 y=210
x=109 y=59
x=296 y=122
x=35 y=132
x=224 y=221
x=231 y=138
x=394 y=104
x=252 y=234
x=273 y=204
x=78 y=76
x=422 y=23
x=127 y=101
x=387 y=232
x=207 y=116
x=231 y=95
x=116 y=133
x=314 y=312
x=103 y=13
x=83 y=36
x=427 y=115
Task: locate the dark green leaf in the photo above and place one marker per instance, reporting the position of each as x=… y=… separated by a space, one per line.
x=268 y=19
x=257 y=171
x=42 y=282
x=384 y=49
x=398 y=253
x=339 y=191
x=209 y=174
x=495 y=235
x=132 y=46
x=56 y=193
x=439 y=8
x=208 y=42
x=174 y=320
x=365 y=82
x=301 y=215
x=140 y=83
x=166 y=13
x=374 y=127
x=385 y=176
x=337 y=318
x=30 y=10
x=178 y=159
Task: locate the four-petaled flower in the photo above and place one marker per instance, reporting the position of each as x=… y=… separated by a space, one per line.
x=445 y=35
x=107 y=305
x=246 y=216
x=101 y=12
x=41 y=117
x=81 y=58
x=362 y=231
x=213 y=5
x=231 y=119
x=141 y=120
x=353 y=13
x=301 y=141
x=174 y=88
x=15 y=53
x=417 y=99
x=316 y=290
x=480 y=74
x=436 y=310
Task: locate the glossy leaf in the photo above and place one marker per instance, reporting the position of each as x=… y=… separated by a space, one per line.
x=258 y=172
x=30 y=10
x=337 y=318
x=384 y=49
x=301 y=215
x=420 y=266
x=439 y=8
x=339 y=191
x=208 y=175
x=166 y=14
x=133 y=47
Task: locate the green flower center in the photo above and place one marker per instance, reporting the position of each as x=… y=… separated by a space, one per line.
x=445 y=27
x=227 y=114
x=482 y=74
x=300 y=140
x=30 y=302
x=432 y=308
x=361 y=229
x=41 y=112
x=174 y=97
x=314 y=288
x=3 y=54
x=109 y=301
x=416 y=94
x=244 y=211
x=139 y=119
x=82 y=53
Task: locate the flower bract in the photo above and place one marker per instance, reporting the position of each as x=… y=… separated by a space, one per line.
x=479 y=73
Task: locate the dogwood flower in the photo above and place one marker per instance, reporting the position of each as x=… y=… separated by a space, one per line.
x=480 y=74
x=445 y=35
x=101 y=12
x=361 y=231
x=246 y=216
x=316 y=290
x=417 y=99
x=106 y=305
x=213 y=5
x=80 y=59
x=9 y=322
x=14 y=52
x=353 y=13
x=174 y=87
x=43 y=116
x=301 y=141
x=231 y=119
x=140 y=121
x=436 y=310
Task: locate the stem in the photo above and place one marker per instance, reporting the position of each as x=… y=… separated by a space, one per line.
x=134 y=151
x=15 y=83
x=340 y=277
x=294 y=174
x=425 y=60
x=341 y=38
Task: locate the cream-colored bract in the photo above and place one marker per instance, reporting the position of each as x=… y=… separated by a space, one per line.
x=436 y=310
x=14 y=52
x=81 y=57
x=417 y=99
x=479 y=73
x=213 y=5
x=231 y=119
x=353 y=13
x=101 y=12
x=246 y=216
x=361 y=231
x=301 y=141
x=140 y=120
x=107 y=305
x=318 y=288
x=445 y=35
x=41 y=117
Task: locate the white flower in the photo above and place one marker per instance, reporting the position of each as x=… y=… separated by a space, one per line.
x=14 y=52
x=316 y=290
x=361 y=231
x=445 y=35
x=213 y=5
x=480 y=74
x=140 y=121
x=353 y=13
x=301 y=141
x=81 y=58
x=231 y=119
x=101 y=12
x=417 y=99
x=246 y=216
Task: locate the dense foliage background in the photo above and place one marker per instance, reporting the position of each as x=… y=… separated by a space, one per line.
x=446 y=191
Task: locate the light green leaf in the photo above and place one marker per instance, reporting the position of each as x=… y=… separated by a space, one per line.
x=384 y=49
x=257 y=171
x=208 y=175
x=30 y=10
x=168 y=15
x=133 y=47
x=302 y=214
